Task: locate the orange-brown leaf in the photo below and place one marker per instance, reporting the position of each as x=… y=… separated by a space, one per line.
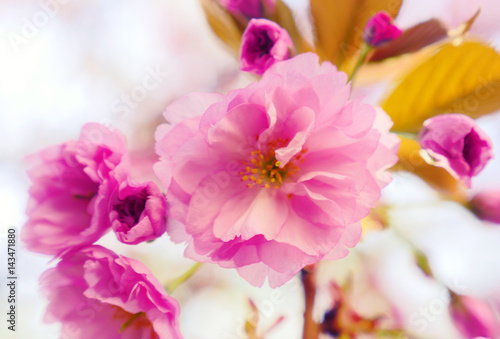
x=410 y=160
x=412 y=40
x=284 y=17
x=460 y=78
x=223 y=24
x=419 y=36
x=339 y=25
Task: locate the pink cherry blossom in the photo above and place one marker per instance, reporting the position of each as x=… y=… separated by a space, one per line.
x=274 y=176
x=263 y=43
x=486 y=205
x=456 y=144
x=138 y=212
x=94 y=293
x=474 y=317
x=248 y=8
x=380 y=29
x=71 y=185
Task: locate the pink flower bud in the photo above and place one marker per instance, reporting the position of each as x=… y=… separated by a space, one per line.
x=138 y=213
x=248 y=8
x=379 y=29
x=474 y=317
x=486 y=205
x=456 y=144
x=263 y=43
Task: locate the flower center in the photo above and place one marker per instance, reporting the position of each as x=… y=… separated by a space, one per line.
x=131 y=208
x=265 y=43
x=136 y=322
x=263 y=170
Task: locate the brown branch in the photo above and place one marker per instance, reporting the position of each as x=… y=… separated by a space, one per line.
x=308 y=276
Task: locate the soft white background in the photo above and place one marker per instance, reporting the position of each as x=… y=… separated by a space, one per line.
x=76 y=65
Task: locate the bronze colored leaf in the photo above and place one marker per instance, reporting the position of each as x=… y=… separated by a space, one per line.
x=284 y=17
x=223 y=24
x=410 y=160
x=339 y=25
x=412 y=40
x=462 y=77
x=419 y=36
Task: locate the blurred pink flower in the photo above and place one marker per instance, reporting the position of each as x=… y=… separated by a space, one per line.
x=474 y=317
x=263 y=43
x=457 y=144
x=486 y=205
x=138 y=212
x=96 y=294
x=274 y=176
x=248 y=8
x=342 y=320
x=71 y=184
x=380 y=29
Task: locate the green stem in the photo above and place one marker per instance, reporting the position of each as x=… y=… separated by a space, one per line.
x=362 y=58
x=396 y=334
x=130 y=321
x=170 y=287
x=408 y=135
x=420 y=256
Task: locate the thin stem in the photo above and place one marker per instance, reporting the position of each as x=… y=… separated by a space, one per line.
x=403 y=237
x=408 y=135
x=364 y=52
x=130 y=321
x=419 y=255
x=396 y=334
x=170 y=287
x=308 y=277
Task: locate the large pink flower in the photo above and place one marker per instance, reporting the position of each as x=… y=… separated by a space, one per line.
x=274 y=176
x=71 y=185
x=96 y=294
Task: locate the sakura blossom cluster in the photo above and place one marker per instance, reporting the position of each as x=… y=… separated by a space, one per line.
x=267 y=180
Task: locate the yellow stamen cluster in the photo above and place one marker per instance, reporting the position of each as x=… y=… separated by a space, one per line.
x=263 y=170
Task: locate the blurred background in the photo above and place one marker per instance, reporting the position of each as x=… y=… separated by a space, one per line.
x=67 y=62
